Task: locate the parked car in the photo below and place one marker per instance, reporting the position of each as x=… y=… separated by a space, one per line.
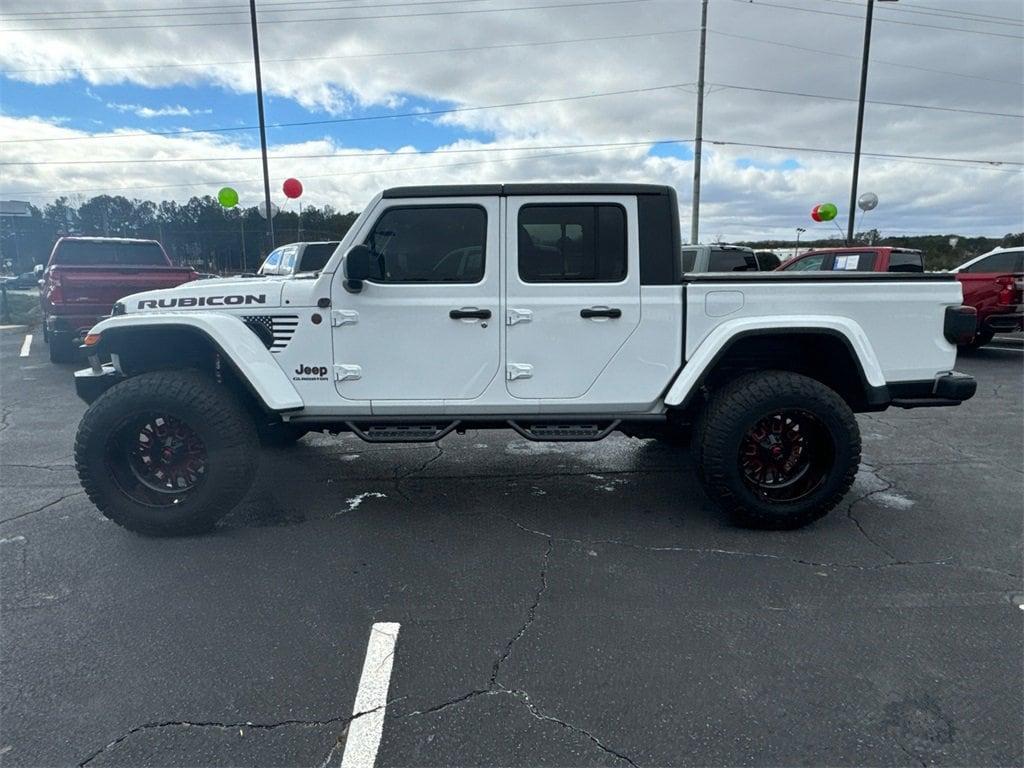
x=559 y=311
x=86 y=275
x=993 y=284
x=297 y=258
x=24 y=281
x=719 y=258
x=876 y=258
x=767 y=260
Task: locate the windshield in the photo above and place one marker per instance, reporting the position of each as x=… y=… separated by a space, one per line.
x=99 y=252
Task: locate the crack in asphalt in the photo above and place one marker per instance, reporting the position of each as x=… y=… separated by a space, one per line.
x=849 y=514
x=347 y=720
x=531 y=614
x=42 y=508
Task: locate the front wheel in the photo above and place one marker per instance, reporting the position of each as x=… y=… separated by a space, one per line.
x=779 y=450
x=166 y=453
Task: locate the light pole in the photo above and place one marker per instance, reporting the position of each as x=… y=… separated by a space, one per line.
x=263 y=125
x=799 y=231
x=860 y=115
x=698 y=134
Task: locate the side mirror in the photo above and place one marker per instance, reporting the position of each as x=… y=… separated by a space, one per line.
x=360 y=265
x=38 y=269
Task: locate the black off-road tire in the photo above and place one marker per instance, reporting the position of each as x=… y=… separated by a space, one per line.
x=211 y=411
x=740 y=405
x=62 y=348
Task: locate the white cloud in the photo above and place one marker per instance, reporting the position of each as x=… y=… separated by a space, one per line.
x=175 y=110
x=334 y=67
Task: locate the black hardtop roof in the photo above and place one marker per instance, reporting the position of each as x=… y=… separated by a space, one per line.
x=491 y=190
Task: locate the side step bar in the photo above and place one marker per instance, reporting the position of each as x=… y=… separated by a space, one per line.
x=401 y=433
x=565 y=432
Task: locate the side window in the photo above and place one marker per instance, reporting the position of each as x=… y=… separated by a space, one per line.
x=807 y=264
x=430 y=244
x=906 y=262
x=288 y=260
x=689 y=259
x=731 y=260
x=1007 y=261
x=572 y=243
x=854 y=262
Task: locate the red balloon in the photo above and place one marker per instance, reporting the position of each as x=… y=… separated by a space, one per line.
x=292 y=188
x=816 y=213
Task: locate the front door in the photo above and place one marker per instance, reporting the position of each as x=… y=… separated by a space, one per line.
x=572 y=291
x=427 y=326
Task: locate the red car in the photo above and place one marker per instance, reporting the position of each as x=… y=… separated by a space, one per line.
x=993 y=284
x=875 y=258
x=86 y=275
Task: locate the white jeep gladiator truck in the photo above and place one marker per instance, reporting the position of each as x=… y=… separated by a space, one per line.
x=560 y=311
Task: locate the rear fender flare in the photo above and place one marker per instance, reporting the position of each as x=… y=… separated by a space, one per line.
x=717 y=343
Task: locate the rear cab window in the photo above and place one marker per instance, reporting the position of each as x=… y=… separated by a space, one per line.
x=731 y=260
x=101 y=253
x=572 y=243
x=315 y=256
x=1007 y=261
x=906 y=261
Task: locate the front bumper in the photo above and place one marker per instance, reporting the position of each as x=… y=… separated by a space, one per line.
x=90 y=383
x=950 y=388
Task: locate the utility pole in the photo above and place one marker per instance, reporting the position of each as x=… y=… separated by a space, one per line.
x=263 y=125
x=698 y=134
x=860 y=116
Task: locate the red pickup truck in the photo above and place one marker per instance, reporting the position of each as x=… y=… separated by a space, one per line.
x=993 y=284
x=875 y=258
x=86 y=275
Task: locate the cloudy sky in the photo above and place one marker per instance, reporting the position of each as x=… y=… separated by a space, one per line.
x=155 y=99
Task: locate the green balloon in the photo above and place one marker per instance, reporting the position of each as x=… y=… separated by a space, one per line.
x=228 y=197
x=828 y=211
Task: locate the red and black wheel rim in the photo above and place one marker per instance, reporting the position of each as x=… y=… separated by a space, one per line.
x=786 y=456
x=156 y=459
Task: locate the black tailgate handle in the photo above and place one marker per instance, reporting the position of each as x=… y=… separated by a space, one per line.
x=601 y=312
x=467 y=312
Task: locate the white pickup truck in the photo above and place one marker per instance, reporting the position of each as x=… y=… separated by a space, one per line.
x=560 y=311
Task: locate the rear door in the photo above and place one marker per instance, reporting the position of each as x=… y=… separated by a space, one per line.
x=428 y=328
x=572 y=291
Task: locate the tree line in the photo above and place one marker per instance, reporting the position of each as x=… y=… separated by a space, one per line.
x=202 y=234
x=198 y=233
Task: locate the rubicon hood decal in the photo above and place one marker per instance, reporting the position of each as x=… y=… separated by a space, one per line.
x=183 y=302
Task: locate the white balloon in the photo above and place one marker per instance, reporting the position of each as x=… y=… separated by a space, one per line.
x=262 y=208
x=868 y=201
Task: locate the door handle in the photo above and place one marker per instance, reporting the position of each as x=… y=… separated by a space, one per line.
x=601 y=312
x=467 y=312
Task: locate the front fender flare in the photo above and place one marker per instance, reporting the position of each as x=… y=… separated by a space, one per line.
x=717 y=343
x=239 y=346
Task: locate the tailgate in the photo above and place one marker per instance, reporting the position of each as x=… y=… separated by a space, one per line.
x=83 y=286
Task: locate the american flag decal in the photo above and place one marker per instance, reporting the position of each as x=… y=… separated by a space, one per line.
x=282 y=326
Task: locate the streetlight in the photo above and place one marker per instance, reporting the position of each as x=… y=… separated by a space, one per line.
x=860 y=115
x=799 y=231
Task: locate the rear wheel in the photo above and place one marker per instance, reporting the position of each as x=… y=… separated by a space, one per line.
x=779 y=450
x=166 y=453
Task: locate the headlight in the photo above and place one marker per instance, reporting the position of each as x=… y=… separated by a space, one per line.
x=118 y=309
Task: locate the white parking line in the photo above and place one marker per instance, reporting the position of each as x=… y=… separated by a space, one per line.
x=365 y=731
x=26 y=345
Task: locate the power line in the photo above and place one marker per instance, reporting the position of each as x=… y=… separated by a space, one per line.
x=362 y=172
x=367 y=118
x=1002 y=21
x=126 y=10
x=858 y=58
x=960 y=11
x=380 y=54
x=763 y=4
x=321 y=20
x=887 y=156
x=330 y=155
x=226 y=11
x=868 y=101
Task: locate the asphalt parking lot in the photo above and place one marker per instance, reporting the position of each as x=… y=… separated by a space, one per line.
x=558 y=605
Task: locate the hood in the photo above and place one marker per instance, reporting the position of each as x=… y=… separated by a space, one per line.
x=212 y=294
